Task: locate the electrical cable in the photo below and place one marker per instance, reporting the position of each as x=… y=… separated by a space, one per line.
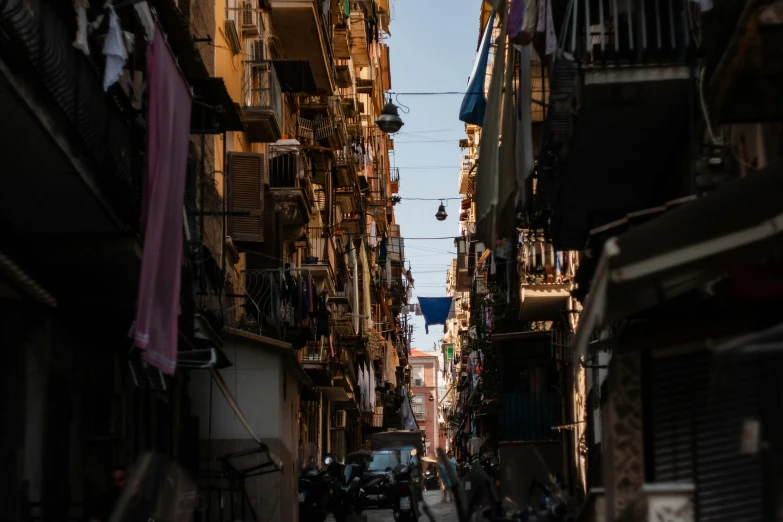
x=429 y=199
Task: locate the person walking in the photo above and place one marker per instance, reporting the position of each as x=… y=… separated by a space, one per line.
x=447 y=493
x=103 y=507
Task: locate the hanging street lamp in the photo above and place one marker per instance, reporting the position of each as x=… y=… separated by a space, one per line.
x=441 y=215
x=389 y=121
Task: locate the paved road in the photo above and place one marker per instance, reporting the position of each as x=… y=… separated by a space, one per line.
x=441 y=511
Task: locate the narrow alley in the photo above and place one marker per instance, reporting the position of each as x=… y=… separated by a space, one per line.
x=289 y=260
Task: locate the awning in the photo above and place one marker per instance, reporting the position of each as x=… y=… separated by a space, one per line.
x=294 y=76
x=684 y=248
x=221 y=116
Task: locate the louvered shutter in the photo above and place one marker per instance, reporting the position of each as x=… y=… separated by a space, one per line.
x=246 y=180
x=697 y=410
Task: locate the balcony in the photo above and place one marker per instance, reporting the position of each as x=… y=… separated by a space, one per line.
x=298 y=25
x=263 y=108
x=467 y=175
x=636 y=88
x=359 y=50
x=289 y=181
x=394 y=180
x=321 y=260
x=341 y=42
x=637 y=41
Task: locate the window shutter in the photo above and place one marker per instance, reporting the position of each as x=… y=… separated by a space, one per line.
x=246 y=180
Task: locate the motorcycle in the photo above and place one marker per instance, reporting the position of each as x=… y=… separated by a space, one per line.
x=477 y=498
x=347 y=495
x=314 y=487
x=405 y=492
x=431 y=480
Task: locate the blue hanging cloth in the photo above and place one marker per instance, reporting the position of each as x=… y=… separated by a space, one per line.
x=435 y=310
x=474 y=104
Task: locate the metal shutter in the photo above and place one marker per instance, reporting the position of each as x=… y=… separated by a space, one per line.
x=697 y=411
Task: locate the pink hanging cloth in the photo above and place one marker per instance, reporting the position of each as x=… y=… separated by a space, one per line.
x=168 y=129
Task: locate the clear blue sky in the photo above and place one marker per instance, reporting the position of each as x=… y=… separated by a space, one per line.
x=432 y=47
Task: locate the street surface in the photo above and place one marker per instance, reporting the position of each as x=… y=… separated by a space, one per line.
x=441 y=511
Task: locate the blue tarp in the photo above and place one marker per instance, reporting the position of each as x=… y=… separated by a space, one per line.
x=435 y=310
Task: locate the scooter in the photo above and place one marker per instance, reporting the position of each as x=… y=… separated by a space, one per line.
x=405 y=492
x=431 y=480
x=347 y=495
x=314 y=487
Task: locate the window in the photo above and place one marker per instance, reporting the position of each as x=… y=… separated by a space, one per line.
x=383 y=461
x=417 y=403
x=417 y=374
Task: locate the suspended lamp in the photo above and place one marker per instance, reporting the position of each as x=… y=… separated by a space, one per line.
x=441 y=215
x=389 y=121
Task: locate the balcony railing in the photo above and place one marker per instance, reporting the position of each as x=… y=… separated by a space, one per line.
x=262 y=102
x=322 y=250
x=287 y=166
x=277 y=300
x=602 y=32
x=313 y=352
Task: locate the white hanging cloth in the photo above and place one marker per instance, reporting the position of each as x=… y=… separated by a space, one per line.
x=114 y=50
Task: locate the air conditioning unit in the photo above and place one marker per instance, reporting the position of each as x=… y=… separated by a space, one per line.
x=258 y=53
x=340 y=419
x=249 y=20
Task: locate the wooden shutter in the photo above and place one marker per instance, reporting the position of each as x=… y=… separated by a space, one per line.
x=246 y=180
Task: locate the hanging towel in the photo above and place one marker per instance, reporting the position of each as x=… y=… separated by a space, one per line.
x=435 y=310
x=383 y=250
x=474 y=104
x=115 y=51
x=546 y=26
x=168 y=128
x=496 y=184
x=525 y=36
x=516 y=16
x=523 y=147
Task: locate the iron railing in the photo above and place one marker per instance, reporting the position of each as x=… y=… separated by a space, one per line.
x=599 y=32
x=261 y=88
x=287 y=166
x=322 y=250
x=394 y=174
x=278 y=299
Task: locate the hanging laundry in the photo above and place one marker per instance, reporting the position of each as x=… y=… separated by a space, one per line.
x=523 y=145
x=474 y=104
x=168 y=129
x=516 y=17
x=114 y=50
x=496 y=183
x=546 y=26
x=525 y=35
x=322 y=328
x=435 y=310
